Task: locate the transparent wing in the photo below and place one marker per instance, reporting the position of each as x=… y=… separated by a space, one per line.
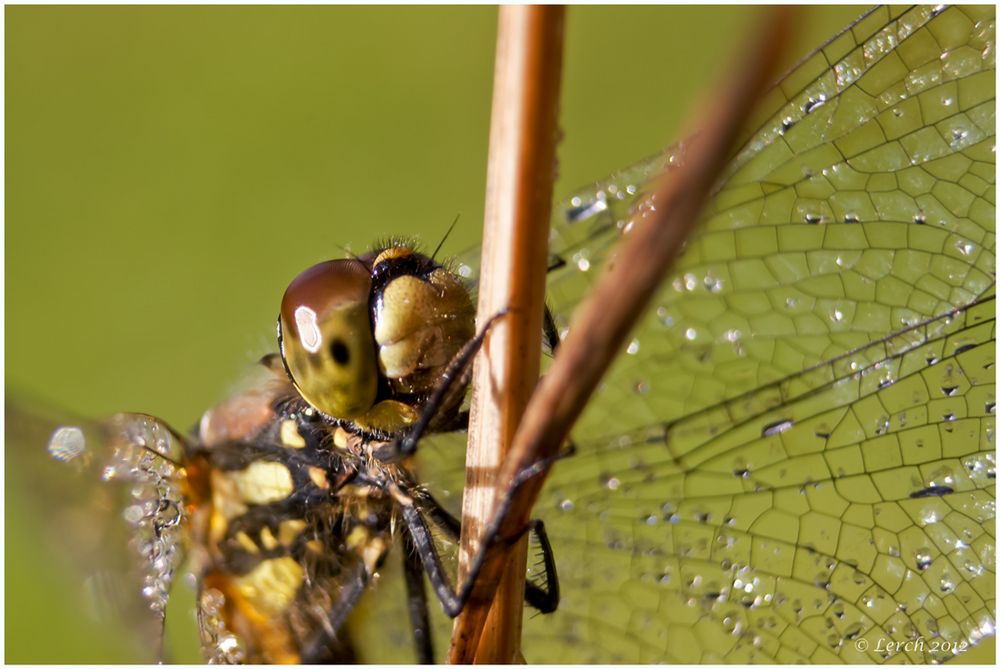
x=853 y=502
x=795 y=452
x=107 y=501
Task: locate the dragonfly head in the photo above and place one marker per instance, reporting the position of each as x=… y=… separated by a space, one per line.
x=325 y=336
x=368 y=339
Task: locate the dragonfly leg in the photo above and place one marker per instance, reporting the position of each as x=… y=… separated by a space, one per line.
x=416 y=602
x=454 y=379
x=543 y=598
x=327 y=643
x=550 y=335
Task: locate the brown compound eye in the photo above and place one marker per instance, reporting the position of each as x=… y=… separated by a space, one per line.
x=326 y=337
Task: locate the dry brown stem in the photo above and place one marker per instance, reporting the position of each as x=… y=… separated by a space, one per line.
x=523 y=137
x=602 y=323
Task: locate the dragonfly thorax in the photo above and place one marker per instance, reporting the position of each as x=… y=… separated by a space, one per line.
x=366 y=339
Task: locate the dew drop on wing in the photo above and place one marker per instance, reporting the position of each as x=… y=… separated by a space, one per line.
x=735 y=472
x=932 y=491
x=67 y=444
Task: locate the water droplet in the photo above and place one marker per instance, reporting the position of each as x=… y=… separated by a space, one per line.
x=633 y=347
x=814 y=103
x=67 y=443
x=134 y=514
x=882 y=424
x=664 y=316
x=777 y=427
x=920 y=219
x=567 y=505
x=923 y=559
x=690 y=334
x=973 y=569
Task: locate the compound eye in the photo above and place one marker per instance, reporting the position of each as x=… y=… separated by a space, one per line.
x=326 y=337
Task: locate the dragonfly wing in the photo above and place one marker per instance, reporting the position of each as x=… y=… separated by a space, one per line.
x=110 y=496
x=706 y=517
x=791 y=523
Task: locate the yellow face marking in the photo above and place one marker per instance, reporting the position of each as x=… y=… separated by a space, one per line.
x=389 y=415
x=267 y=539
x=263 y=482
x=318 y=477
x=340 y=438
x=246 y=543
x=289 y=529
x=315 y=546
x=290 y=437
x=271 y=586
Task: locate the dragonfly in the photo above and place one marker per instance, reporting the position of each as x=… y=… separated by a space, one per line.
x=795 y=453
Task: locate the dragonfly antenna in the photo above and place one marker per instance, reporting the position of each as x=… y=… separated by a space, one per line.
x=447 y=233
x=348 y=252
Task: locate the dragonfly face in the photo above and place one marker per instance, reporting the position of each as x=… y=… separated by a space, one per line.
x=795 y=453
x=365 y=339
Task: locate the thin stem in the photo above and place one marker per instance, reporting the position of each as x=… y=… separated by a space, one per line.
x=523 y=137
x=602 y=323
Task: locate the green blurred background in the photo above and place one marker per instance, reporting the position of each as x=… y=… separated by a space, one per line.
x=170 y=169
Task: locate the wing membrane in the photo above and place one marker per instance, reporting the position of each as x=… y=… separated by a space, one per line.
x=727 y=505
x=112 y=510
x=785 y=530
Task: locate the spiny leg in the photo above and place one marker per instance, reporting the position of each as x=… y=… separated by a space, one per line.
x=416 y=601
x=454 y=379
x=544 y=599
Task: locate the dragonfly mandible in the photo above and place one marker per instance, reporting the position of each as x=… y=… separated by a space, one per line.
x=688 y=416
